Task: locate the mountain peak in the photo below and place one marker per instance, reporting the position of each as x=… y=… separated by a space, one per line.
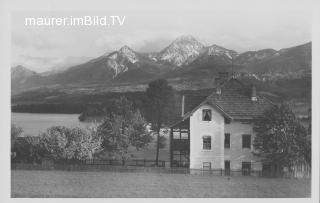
x=125 y=48
x=128 y=53
x=181 y=51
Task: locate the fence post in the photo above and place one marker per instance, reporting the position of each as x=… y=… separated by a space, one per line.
x=144 y=162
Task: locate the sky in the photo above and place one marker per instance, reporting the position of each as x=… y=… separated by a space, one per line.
x=150 y=28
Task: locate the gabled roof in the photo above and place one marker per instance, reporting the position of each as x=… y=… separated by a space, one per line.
x=235 y=102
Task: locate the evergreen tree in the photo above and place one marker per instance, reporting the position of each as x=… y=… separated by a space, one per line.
x=160 y=104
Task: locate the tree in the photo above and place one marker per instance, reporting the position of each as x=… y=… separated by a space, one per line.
x=27 y=149
x=54 y=142
x=23 y=148
x=160 y=104
x=16 y=132
x=62 y=143
x=83 y=144
x=123 y=128
x=139 y=135
x=280 y=138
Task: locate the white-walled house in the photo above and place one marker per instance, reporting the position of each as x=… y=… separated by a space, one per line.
x=218 y=132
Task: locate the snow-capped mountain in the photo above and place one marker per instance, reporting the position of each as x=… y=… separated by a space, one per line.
x=181 y=51
x=186 y=50
x=185 y=57
x=120 y=60
x=129 y=54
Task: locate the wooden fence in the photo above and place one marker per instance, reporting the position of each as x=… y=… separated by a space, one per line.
x=88 y=164
x=143 y=165
x=164 y=170
x=130 y=162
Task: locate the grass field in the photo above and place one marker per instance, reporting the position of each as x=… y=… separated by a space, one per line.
x=116 y=184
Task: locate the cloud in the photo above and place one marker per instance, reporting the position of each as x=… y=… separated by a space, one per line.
x=152 y=29
x=35 y=41
x=140 y=40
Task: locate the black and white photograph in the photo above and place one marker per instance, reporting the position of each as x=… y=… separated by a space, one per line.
x=161 y=99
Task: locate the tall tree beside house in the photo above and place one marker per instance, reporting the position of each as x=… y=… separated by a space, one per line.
x=160 y=106
x=123 y=128
x=280 y=138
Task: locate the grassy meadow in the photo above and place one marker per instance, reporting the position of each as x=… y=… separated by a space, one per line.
x=123 y=185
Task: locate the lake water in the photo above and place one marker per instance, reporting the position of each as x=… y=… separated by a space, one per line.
x=34 y=123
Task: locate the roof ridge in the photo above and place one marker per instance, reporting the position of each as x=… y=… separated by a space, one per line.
x=235 y=101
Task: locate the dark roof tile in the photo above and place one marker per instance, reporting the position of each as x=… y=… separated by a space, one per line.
x=235 y=101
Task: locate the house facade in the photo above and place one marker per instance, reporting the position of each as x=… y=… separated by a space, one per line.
x=218 y=132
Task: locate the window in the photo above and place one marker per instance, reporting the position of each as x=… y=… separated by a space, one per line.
x=246 y=168
x=206 y=165
x=207 y=142
x=227 y=140
x=227 y=167
x=246 y=141
x=206 y=114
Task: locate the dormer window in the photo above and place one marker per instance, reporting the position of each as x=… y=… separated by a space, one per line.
x=206 y=114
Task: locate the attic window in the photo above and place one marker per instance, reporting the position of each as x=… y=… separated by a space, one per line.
x=206 y=114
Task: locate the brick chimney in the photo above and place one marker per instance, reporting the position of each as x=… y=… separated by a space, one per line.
x=182 y=106
x=254 y=93
x=218 y=85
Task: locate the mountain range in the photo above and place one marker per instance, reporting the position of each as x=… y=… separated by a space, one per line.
x=185 y=60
